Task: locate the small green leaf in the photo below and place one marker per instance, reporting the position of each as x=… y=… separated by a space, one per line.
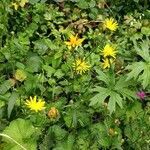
x=11 y=102
x=34 y=63
x=49 y=70
x=5 y=86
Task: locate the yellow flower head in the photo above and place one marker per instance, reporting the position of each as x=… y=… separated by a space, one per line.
x=109 y=51
x=53 y=113
x=15 y=5
x=111 y=24
x=74 y=41
x=106 y=63
x=80 y=66
x=35 y=105
x=23 y=2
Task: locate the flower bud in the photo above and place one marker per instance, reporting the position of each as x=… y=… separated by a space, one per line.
x=53 y=113
x=111 y=132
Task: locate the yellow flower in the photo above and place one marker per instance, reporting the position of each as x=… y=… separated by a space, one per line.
x=20 y=75
x=109 y=51
x=20 y=3
x=53 y=113
x=74 y=41
x=111 y=24
x=35 y=105
x=80 y=66
x=15 y=5
x=23 y=2
x=106 y=63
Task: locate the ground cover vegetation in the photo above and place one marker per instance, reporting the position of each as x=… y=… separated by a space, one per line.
x=75 y=75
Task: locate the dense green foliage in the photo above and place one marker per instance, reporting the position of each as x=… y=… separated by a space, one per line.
x=102 y=108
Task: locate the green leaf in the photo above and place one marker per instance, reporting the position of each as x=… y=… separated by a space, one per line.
x=57 y=131
x=140 y=71
x=59 y=74
x=5 y=86
x=102 y=76
x=114 y=98
x=22 y=132
x=11 y=102
x=100 y=97
x=136 y=68
x=145 y=31
x=143 y=50
x=145 y=76
x=49 y=70
x=34 y=63
x=82 y=4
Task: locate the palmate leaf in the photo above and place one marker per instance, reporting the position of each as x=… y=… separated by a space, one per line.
x=99 y=98
x=114 y=92
x=114 y=98
x=103 y=77
x=136 y=68
x=143 y=50
x=141 y=70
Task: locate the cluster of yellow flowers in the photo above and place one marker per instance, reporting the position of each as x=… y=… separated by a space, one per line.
x=109 y=52
x=20 y=3
x=80 y=65
x=74 y=41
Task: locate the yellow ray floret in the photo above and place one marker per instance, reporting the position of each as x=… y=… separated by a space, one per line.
x=34 y=104
x=23 y=3
x=15 y=5
x=80 y=66
x=110 y=24
x=74 y=41
x=107 y=63
x=109 y=51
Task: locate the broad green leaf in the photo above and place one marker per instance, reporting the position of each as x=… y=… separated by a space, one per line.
x=22 y=132
x=5 y=86
x=11 y=102
x=114 y=98
x=145 y=76
x=102 y=76
x=140 y=71
x=59 y=74
x=100 y=97
x=136 y=68
x=34 y=63
x=143 y=50
x=122 y=83
x=145 y=31
x=49 y=70
x=57 y=131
